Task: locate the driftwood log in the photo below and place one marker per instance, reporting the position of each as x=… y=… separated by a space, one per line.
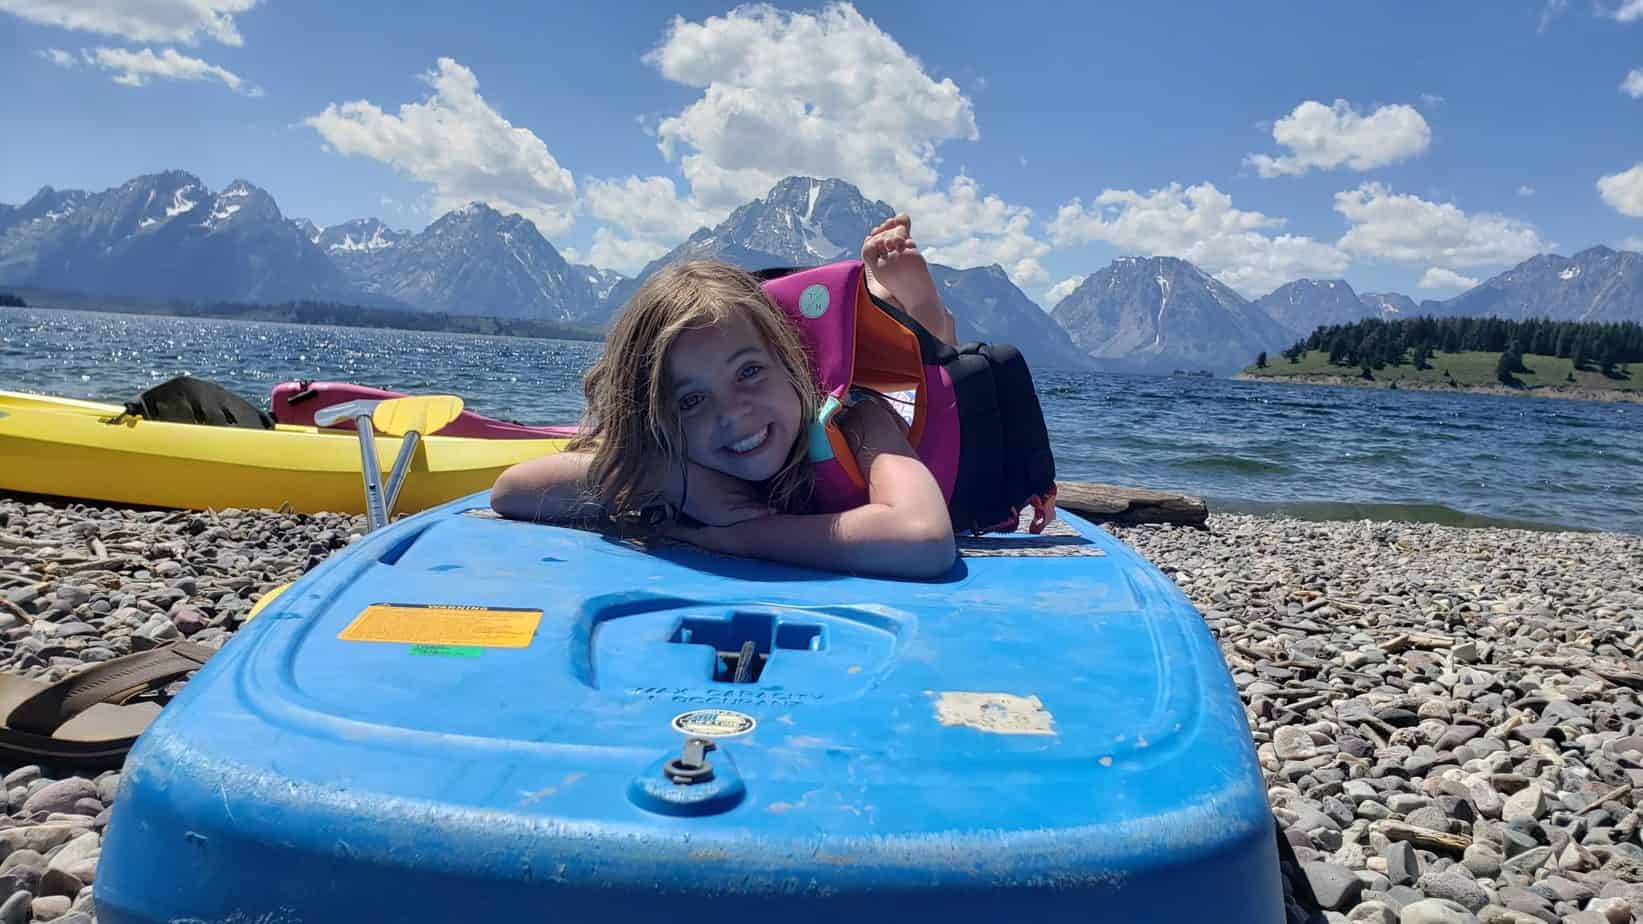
x=1105 y=503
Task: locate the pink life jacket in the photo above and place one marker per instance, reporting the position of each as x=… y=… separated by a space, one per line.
x=976 y=420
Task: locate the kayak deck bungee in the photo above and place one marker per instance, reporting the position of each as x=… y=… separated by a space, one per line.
x=460 y=716
x=70 y=448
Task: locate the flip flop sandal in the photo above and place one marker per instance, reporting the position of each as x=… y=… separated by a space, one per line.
x=87 y=720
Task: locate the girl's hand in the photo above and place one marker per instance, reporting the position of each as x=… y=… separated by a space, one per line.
x=727 y=540
x=713 y=497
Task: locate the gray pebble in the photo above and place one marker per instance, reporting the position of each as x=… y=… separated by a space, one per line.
x=60 y=796
x=1334 y=885
x=38 y=838
x=189 y=620
x=1529 y=802
x=1436 y=911
x=1516 y=841
x=1403 y=803
x=107 y=786
x=61 y=882
x=1456 y=887
x=1518 y=898
x=1528 y=861
x=1372 y=913
x=1482 y=861
x=47 y=907
x=1429 y=817
x=1403 y=865
x=16 y=909
x=1614 y=910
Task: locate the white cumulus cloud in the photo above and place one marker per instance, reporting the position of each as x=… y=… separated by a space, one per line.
x=1199 y=224
x=455 y=142
x=1439 y=278
x=1633 y=84
x=963 y=227
x=1525 y=191
x=1624 y=191
x=626 y=255
x=653 y=218
x=1629 y=11
x=1061 y=290
x=824 y=94
x=57 y=56
x=136 y=68
x=184 y=21
x=1409 y=229
x=829 y=94
x=1326 y=137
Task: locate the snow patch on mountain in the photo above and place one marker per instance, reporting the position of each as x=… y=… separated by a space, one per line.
x=180 y=203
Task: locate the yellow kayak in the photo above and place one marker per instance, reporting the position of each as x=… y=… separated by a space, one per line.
x=82 y=449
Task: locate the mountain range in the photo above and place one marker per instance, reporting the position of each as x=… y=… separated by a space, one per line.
x=167 y=235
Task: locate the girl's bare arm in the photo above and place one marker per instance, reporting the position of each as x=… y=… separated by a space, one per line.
x=552 y=487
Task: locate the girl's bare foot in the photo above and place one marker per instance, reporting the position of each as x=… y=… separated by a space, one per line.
x=897 y=273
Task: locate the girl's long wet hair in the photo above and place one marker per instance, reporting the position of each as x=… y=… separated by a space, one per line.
x=631 y=422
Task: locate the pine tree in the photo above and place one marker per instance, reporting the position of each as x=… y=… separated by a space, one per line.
x=1260 y=361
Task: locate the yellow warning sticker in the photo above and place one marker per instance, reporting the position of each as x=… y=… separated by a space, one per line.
x=470 y=626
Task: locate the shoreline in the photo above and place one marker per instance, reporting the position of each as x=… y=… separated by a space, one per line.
x=1564 y=393
x=1396 y=678
x=362 y=318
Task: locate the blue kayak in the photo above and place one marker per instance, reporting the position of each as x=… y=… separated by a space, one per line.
x=462 y=718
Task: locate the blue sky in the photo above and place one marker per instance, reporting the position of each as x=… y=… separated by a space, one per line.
x=1407 y=146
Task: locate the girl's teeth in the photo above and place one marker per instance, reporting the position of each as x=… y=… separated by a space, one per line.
x=751 y=443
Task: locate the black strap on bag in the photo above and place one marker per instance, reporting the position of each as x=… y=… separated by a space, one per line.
x=188 y=400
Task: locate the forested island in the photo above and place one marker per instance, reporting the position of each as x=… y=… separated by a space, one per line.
x=8 y=300
x=322 y=313
x=1536 y=356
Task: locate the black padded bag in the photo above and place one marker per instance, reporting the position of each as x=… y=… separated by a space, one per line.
x=1005 y=456
x=193 y=401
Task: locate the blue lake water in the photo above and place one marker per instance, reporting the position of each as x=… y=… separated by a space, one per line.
x=1312 y=450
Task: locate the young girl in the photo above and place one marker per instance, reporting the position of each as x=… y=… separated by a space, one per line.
x=702 y=400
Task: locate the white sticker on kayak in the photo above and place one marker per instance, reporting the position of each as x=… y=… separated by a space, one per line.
x=998 y=713
x=713 y=723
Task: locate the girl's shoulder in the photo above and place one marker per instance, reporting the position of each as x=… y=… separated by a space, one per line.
x=901 y=402
x=861 y=400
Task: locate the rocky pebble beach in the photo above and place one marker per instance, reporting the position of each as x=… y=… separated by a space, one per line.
x=1449 y=720
x=83 y=584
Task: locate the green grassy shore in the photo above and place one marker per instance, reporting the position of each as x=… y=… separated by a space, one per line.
x=1470 y=371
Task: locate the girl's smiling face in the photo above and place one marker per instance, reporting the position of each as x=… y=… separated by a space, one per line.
x=737 y=409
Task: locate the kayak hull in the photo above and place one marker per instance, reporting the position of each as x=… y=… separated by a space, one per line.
x=298 y=402
x=460 y=716
x=83 y=450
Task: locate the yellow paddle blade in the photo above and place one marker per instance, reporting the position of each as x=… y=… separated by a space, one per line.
x=425 y=414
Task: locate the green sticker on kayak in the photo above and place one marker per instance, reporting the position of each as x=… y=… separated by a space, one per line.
x=447 y=651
